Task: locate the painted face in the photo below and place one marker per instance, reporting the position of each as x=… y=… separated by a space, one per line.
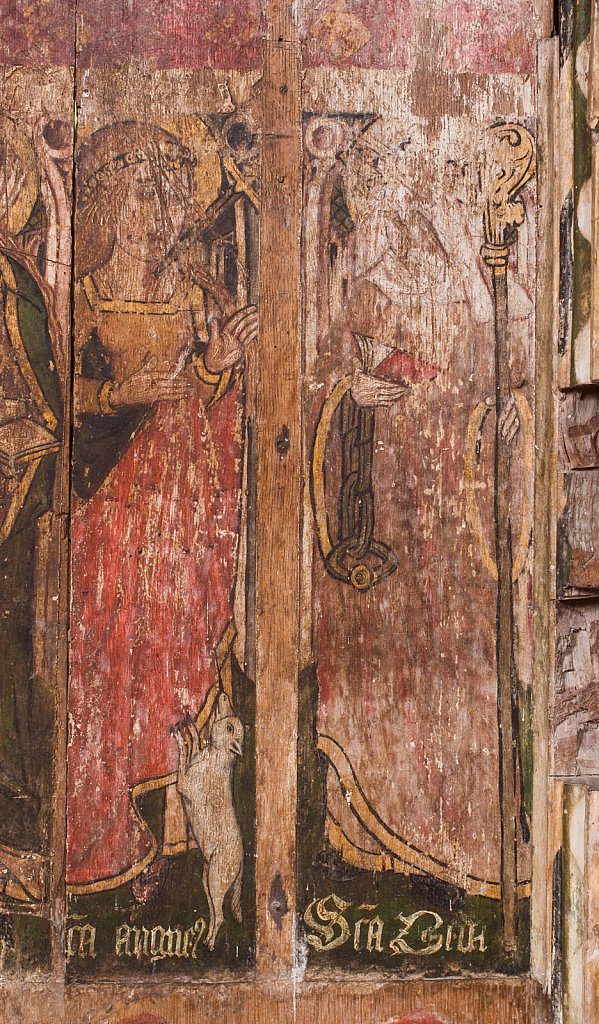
x=151 y=215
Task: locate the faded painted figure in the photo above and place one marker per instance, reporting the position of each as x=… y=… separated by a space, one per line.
x=400 y=341
x=161 y=336
x=204 y=780
x=34 y=284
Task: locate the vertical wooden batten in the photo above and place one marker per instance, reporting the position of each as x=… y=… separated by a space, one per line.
x=591 y=980
x=547 y=315
x=278 y=497
x=592 y=115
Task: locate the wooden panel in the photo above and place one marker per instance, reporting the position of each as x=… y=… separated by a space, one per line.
x=575 y=717
x=161 y=756
x=591 y=980
x=579 y=535
x=402 y=869
x=544 y=583
x=186 y=579
x=579 y=422
x=35 y=255
x=574 y=902
x=278 y=499
x=575 y=701
x=575 y=196
x=332 y=1002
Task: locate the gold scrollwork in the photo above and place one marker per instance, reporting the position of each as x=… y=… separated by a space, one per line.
x=510 y=166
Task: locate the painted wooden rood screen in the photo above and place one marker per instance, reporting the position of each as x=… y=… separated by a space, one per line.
x=299 y=598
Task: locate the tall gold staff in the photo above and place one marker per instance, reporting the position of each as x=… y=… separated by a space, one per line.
x=511 y=166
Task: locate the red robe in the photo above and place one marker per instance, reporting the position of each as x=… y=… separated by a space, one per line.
x=153 y=555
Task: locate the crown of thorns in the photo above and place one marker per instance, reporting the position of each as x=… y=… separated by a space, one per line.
x=173 y=156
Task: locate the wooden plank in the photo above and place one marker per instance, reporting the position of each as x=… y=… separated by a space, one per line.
x=278 y=498
x=579 y=431
x=575 y=712
x=166 y=268
x=574 y=902
x=591 y=964
x=583 y=205
x=578 y=565
x=547 y=308
x=384 y=231
x=565 y=191
x=592 y=121
x=370 y=1001
x=170 y=100
x=36 y=257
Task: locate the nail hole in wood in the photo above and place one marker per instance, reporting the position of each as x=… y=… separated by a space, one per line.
x=277 y=901
x=282 y=443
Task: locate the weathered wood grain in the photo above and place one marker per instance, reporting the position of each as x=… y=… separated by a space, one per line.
x=278 y=497
x=35 y=248
x=336 y=1001
x=579 y=430
x=457 y=35
x=451 y=67
x=165 y=277
x=547 y=323
x=574 y=902
x=575 y=714
x=591 y=966
x=593 y=121
x=579 y=535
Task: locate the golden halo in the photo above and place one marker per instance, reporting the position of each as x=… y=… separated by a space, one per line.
x=207 y=183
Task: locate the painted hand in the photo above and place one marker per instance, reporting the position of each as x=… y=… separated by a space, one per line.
x=369 y=390
x=509 y=421
x=148 y=385
x=228 y=343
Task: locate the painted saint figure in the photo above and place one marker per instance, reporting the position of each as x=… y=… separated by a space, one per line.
x=157 y=476
x=407 y=689
x=30 y=437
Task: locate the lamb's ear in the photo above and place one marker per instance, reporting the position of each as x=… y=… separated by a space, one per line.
x=223 y=708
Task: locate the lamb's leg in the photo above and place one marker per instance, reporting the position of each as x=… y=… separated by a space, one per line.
x=206 y=884
x=219 y=883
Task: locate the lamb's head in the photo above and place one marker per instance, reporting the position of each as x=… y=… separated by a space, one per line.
x=227 y=729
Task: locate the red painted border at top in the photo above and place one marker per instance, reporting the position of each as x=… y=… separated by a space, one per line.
x=480 y=36
x=484 y=36
x=162 y=33
x=171 y=33
x=38 y=32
